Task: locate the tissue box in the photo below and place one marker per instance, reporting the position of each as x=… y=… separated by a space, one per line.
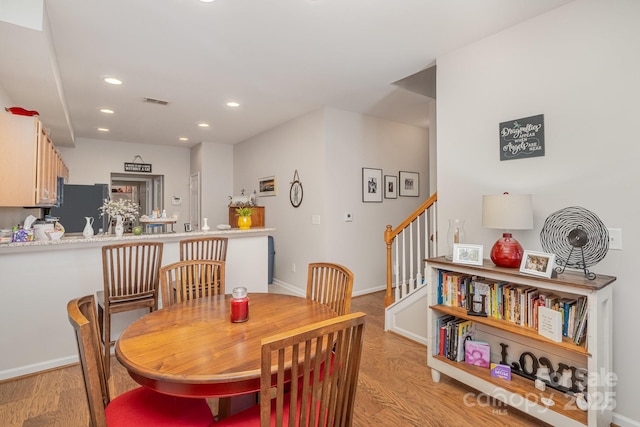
x=23 y=235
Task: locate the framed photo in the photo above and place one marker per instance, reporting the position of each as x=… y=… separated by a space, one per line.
x=467 y=254
x=390 y=187
x=371 y=185
x=538 y=263
x=267 y=186
x=409 y=184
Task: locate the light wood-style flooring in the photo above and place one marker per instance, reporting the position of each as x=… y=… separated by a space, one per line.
x=395 y=389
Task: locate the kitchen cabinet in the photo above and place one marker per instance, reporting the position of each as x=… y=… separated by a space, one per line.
x=29 y=163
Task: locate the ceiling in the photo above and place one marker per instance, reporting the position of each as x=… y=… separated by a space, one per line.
x=278 y=59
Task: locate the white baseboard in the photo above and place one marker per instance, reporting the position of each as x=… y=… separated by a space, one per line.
x=284 y=287
x=623 y=421
x=37 y=367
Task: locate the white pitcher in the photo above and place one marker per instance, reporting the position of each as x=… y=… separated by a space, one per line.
x=88 y=228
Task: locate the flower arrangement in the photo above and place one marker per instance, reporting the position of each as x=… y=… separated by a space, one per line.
x=125 y=208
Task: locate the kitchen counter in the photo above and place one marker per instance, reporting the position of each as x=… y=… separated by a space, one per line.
x=40 y=277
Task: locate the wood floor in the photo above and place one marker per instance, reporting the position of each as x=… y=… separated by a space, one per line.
x=395 y=389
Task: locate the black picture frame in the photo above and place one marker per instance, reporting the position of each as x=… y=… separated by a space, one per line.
x=390 y=187
x=409 y=184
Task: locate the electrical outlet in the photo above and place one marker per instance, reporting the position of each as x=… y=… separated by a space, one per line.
x=615 y=238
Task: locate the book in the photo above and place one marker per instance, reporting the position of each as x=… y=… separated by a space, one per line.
x=477 y=353
x=466 y=331
x=501 y=371
x=550 y=323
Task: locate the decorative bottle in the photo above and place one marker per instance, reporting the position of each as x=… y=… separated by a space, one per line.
x=455 y=234
x=119 y=226
x=239 y=305
x=205 y=225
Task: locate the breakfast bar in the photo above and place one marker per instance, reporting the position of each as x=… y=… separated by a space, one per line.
x=40 y=277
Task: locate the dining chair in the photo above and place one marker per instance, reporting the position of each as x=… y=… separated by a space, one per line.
x=138 y=407
x=316 y=396
x=212 y=248
x=330 y=284
x=191 y=279
x=131 y=275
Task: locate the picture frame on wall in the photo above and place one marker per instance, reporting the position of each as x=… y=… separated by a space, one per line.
x=372 y=185
x=409 y=184
x=390 y=187
x=268 y=186
x=538 y=263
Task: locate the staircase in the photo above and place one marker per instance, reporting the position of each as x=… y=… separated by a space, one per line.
x=408 y=245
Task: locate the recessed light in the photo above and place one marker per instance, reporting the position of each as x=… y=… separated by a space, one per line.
x=207 y=1
x=183 y=138
x=106 y=111
x=232 y=104
x=103 y=129
x=113 y=81
x=203 y=125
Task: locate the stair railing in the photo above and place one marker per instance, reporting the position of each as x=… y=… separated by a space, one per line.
x=407 y=246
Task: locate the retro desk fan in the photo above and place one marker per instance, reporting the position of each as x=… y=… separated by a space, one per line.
x=577 y=237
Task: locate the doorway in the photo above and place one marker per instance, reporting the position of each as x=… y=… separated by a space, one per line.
x=146 y=190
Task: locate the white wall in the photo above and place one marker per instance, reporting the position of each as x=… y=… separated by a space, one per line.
x=579 y=66
x=329 y=148
x=216 y=182
x=92 y=161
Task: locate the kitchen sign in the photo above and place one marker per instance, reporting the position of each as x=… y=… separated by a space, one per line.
x=137 y=167
x=522 y=138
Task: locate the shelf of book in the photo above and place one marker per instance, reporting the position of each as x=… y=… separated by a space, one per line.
x=564 y=406
x=594 y=351
x=566 y=343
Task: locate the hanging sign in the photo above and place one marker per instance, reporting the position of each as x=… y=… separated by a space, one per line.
x=522 y=138
x=137 y=167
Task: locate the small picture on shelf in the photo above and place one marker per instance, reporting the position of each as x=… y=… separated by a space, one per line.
x=538 y=263
x=467 y=254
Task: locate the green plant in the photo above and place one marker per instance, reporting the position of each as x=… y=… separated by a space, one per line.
x=244 y=211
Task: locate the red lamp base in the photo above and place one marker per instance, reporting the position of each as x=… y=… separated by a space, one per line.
x=507 y=252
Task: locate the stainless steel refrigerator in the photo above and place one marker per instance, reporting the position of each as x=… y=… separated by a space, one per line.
x=78 y=202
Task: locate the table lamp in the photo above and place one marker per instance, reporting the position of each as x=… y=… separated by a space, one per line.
x=507 y=212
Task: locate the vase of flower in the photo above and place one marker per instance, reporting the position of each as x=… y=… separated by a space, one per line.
x=119 y=226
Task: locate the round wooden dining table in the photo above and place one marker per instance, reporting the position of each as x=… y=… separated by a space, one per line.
x=192 y=349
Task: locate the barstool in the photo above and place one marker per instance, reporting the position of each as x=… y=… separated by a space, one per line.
x=131 y=272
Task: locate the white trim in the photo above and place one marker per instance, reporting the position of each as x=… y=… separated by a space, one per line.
x=37 y=367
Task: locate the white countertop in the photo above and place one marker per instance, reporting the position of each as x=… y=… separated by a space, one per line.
x=76 y=239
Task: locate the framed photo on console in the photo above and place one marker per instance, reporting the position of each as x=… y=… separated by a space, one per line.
x=467 y=254
x=538 y=263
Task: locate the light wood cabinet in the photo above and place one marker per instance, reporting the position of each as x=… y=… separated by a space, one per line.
x=29 y=163
x=524 y=344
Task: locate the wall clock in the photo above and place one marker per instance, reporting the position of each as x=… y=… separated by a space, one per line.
x=295 y=192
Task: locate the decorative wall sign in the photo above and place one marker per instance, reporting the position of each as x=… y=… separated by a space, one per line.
x=371 y=185
x=137 y=167
x=295 y=192
x=522 y=138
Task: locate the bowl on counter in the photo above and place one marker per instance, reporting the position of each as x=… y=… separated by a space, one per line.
x=54 y=234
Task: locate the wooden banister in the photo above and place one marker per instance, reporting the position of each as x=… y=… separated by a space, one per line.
x=389 y=236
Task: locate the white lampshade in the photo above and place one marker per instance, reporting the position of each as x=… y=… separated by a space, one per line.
x=507 y=211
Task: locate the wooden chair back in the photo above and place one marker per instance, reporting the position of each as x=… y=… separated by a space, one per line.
x=191 y=279
x=211 y=248
x=322 y=382
x=330 y=284
x=82 y=315
x=131 y=271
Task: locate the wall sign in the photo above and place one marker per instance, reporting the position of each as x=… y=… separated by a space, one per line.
x=137 y=167
x=522 y=138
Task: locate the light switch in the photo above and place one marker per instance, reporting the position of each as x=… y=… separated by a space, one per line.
x=315 y=219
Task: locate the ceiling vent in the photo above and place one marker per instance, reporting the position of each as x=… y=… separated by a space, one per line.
x=155 y=101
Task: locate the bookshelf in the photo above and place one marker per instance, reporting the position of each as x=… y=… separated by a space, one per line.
x=593 y=354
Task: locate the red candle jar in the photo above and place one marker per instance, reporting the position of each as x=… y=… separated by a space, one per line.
x=239 y=305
